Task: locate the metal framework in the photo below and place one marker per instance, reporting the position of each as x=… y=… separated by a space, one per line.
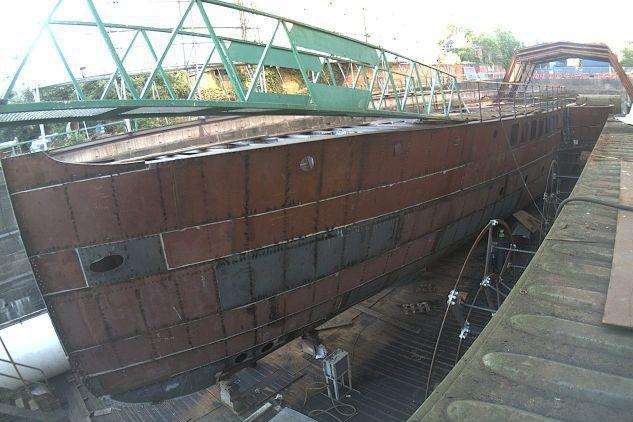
x=524 y=61
x=336 y=74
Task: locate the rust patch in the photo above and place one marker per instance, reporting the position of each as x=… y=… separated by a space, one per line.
x=171 y=340
x=98 y=223
x=303 y=183
x=121 y=312
x=266 y=229
x=239 y=343
x=159 y=297
x=198 y=244
x=301 y=221
x=267 y=180
x=205 y=331
x=351 y=277
x=332 y=213
x=196 y=287
x=140 y=204
x=239 y=320
x=58 y=271
x=45 y=220
x=326 y=288
x=79 y=320
x=341 y=165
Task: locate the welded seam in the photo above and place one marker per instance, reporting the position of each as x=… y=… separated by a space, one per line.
x=403 y=211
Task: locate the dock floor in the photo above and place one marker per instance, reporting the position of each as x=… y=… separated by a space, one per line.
x=390 y=352
x=547 y=355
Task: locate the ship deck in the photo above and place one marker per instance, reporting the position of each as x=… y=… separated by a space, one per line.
x=221 y=135
x=547 y=354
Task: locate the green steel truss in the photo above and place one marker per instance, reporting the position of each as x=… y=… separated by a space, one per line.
x=336 y=75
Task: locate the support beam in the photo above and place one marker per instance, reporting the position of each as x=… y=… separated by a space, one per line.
x=524 y=61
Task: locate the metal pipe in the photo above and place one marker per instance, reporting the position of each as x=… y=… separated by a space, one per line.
x=492 y=311
x=481 y=116
x=501 y=248
x=489 y=298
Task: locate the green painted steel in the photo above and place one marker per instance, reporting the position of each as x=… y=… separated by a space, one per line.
x=284 y=100
x=249 y=52
x=338 y=46
x=336 y=74
x=339 y=97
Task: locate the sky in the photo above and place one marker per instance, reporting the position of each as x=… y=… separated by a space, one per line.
x=410 y=27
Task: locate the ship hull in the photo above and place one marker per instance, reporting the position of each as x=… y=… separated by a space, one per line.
x=163 y=275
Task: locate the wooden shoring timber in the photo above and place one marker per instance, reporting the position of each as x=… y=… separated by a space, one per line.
x=618 y=309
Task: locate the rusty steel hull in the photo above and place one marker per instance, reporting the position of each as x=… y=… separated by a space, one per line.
x=161 y=276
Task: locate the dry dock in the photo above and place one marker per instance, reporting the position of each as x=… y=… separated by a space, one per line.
x=547 y=354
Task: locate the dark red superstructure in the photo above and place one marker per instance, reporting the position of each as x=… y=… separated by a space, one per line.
x=161 y=275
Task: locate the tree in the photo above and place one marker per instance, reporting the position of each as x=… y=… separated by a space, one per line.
x=627 y=55
x=484 y=48
x=501 y=46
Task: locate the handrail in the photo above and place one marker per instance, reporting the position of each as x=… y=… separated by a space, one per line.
x=480 y=100
x=15 y=366
x=337 y=75
x=272 y=16
x=19 y=377
x=523 y=63
x=23 y=365
x=521 y=98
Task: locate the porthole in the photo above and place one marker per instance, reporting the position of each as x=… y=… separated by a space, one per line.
x=107 y=263
x=307 y=163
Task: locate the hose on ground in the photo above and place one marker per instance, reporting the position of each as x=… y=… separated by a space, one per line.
x=612 y=204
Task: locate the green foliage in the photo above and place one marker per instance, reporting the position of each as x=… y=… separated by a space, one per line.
x=274 y=83
x=484 y=48
x=21 y=133
x=627 y=55
x=213 y=87
x=92 y=90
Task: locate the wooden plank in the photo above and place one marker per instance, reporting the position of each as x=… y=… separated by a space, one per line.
x=530 y=222
x=618 y=309
x=390 y=320
x=341 y=321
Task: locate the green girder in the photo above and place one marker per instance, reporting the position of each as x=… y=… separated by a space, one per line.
x=380 y=83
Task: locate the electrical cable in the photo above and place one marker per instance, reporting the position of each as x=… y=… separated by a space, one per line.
x=479 y=289
x=338 y=407
x=518 y=168
x=549 y=192
x=459 y=277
